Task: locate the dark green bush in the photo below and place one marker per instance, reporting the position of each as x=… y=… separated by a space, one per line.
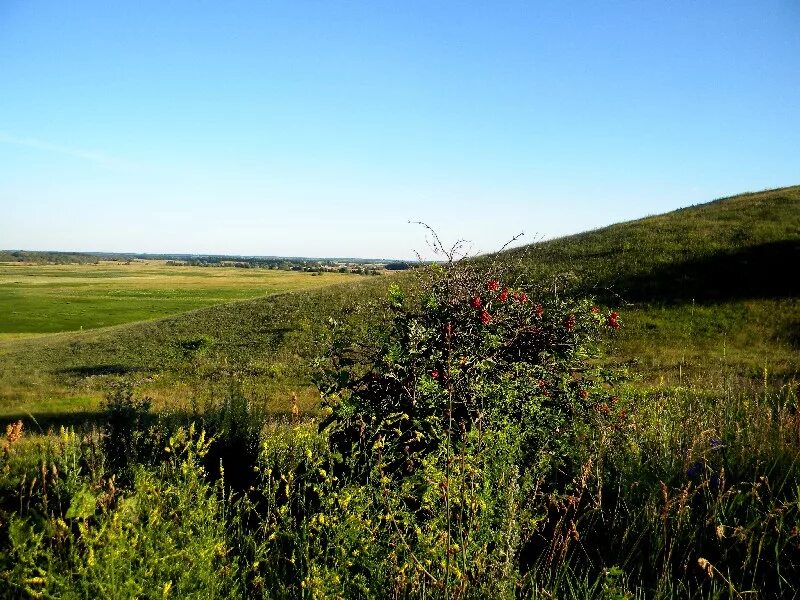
x=126 y=439
x=469 y=354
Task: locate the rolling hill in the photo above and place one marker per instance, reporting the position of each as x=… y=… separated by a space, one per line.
x=709 y=296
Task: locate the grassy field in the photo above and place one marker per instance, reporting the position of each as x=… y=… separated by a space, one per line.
x=268 y=342
x=112 y=310
x=686 y=484
x=706 y=295
x=53 y=298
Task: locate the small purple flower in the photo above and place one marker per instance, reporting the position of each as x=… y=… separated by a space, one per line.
x=716 y=443
x=695 y=470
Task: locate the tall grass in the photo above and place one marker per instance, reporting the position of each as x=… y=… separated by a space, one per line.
x=691 y=494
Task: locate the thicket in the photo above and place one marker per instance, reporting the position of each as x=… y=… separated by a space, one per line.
x=472 y=447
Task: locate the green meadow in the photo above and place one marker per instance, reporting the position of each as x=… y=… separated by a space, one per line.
x=253 y=424
x=36 y=298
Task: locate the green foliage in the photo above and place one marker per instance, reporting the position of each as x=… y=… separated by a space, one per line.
x=322 y=534
x=436 y=442
x=125 y=440
x=713 y=494
x=236 y=422
x=671 y=496
x=468 y=354
x=163 y=537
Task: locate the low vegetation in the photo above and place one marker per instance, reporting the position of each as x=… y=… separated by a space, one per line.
x=561 y=421
x=37 y=299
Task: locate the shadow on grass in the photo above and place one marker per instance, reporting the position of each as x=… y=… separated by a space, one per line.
x=141 y=439
x=44 y=422
x=765 y=271
x=94 y=370
x=86 y=419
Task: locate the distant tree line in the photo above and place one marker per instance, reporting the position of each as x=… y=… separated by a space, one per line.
x=349 y=265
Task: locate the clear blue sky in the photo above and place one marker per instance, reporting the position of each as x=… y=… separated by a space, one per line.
x=321 y=128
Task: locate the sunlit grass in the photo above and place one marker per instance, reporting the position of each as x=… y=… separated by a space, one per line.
x=53 y=298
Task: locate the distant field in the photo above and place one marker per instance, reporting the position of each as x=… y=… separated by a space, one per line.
x=38 y=299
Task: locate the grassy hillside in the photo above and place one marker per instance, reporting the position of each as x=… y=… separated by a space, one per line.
x=707 y=291
x=708 y=297
x=266 y=343
x=734 y=248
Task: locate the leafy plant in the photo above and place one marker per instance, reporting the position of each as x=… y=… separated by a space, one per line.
x=469 y=353
x=125 y=429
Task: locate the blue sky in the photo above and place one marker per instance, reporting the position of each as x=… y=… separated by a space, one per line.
x=322 y=128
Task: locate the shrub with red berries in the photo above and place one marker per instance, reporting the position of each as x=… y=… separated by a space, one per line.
x=471 y=351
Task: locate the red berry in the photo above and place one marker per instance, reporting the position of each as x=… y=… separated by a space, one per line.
x=486 y=318
x=493 y=285
x=476 y=302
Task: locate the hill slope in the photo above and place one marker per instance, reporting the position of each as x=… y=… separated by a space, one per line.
x=738 y=247
x=708 y=292
x=709 y=295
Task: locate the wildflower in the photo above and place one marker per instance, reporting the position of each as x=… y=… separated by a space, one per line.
x=493 y=285
x=706 y=566
x=584 y=394
x=715 y=443
x=14 y=432
x=595 y=310
x=476 y=302
x=569 y=322
x=503 y=296
x=602 y=408
x=486 y=318
x=435 y=374
x=612 y=320
x=522 y=297
x=539 y=310
x=295 y=410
